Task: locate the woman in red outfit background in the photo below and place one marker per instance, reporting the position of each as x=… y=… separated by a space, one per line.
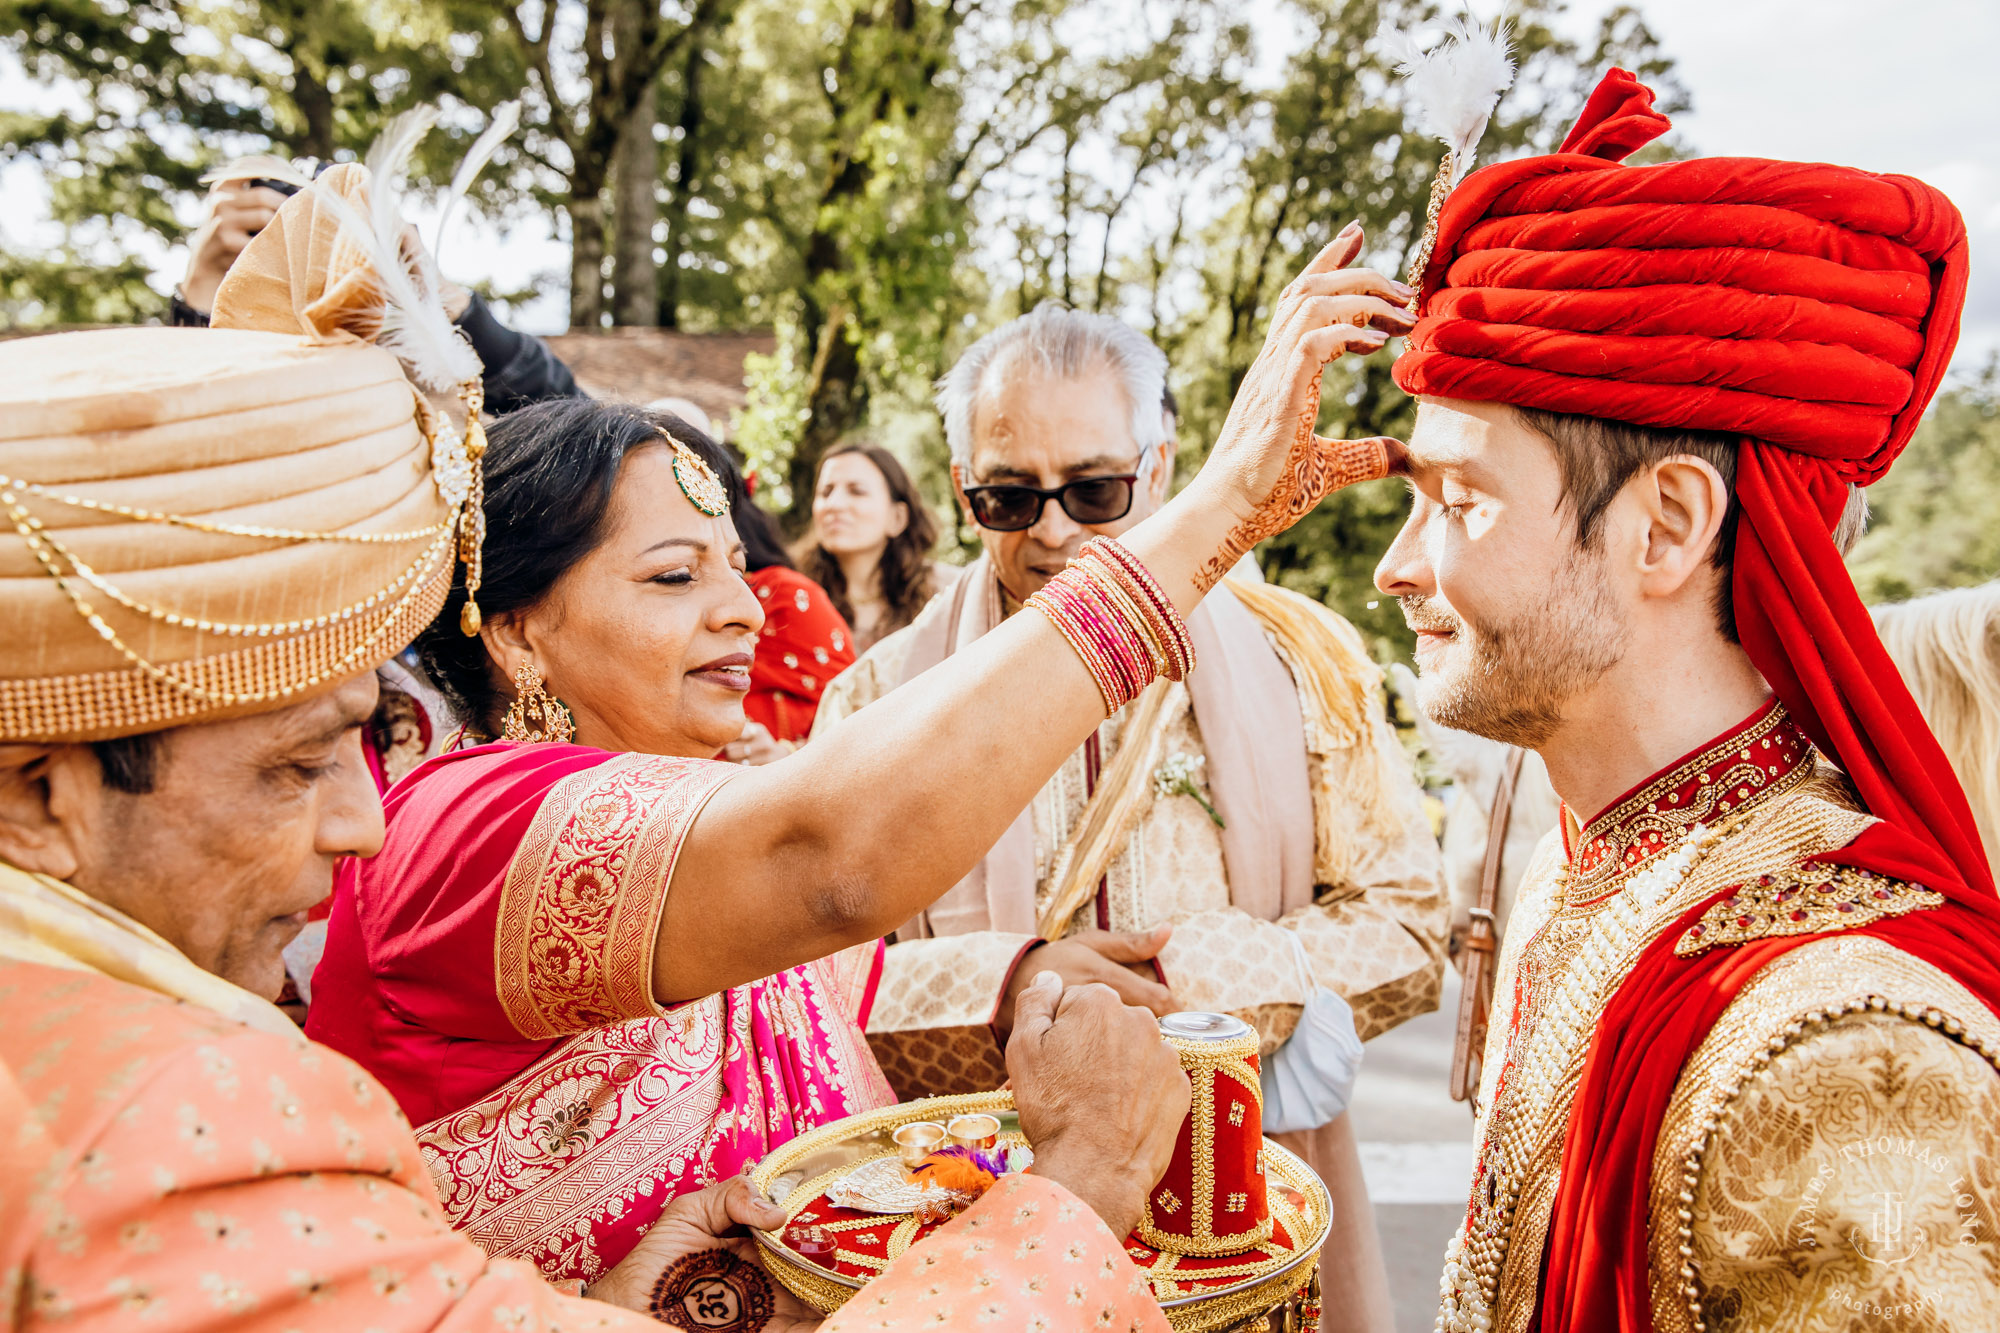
x=804 y=644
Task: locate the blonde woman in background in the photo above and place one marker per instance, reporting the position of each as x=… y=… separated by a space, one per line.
x=1947 y=646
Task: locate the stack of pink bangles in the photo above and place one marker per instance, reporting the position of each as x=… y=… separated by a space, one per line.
x=1118 y=619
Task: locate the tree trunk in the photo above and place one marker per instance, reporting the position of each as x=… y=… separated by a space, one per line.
x=315 y=104
x=686 y=165
x=635 y=178
x=837 y=397
x=586 y=260
x=635 y=172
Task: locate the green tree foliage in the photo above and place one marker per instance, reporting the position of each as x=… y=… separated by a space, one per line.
x=156 y=92
x=165 y=89
x=66 y=288
x=583 y=71
x=845 y=175
x=1932 y=521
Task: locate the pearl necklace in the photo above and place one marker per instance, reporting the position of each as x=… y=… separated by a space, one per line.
x=1472 y=1263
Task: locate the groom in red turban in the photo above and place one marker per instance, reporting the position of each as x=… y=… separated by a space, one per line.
x=1741 y=1067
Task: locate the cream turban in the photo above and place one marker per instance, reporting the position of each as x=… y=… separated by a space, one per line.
x=203 y=523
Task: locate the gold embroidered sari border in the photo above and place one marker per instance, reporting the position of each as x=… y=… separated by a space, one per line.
x=520 y=1172
x=580 y=907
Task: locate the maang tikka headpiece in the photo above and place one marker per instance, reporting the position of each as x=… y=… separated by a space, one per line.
x=1455 y=86
x=698 y=481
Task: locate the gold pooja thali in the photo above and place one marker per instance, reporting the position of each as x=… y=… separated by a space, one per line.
x=827 y=1251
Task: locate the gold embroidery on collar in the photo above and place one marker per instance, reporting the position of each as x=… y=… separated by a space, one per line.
x=1741 y=770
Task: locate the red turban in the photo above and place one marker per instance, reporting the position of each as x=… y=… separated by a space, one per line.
x=1810 y=309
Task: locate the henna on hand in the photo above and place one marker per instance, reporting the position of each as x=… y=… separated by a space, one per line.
x=1313 y=470
x=1327 y=310
x=715 y=1292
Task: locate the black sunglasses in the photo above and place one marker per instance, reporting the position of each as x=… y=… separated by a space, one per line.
x=1087 y=500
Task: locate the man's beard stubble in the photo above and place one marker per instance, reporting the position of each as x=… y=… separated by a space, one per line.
x=1513 y=677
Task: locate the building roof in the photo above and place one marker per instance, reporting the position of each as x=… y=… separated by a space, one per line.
x=638 y=365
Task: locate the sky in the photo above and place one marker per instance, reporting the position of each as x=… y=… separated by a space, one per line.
x=1910 y=88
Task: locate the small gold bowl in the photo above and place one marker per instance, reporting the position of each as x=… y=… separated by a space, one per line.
x=919 y=1139
x=974 y=1130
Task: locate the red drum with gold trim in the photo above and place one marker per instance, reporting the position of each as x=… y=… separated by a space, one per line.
x=1212 y=1199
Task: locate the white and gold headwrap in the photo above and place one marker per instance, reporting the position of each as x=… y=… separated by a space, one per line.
x=204 y=523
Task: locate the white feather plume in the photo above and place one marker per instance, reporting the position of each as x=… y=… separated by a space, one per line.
x=414 y=324
x=1456 y=84
x=506 y=119
x=258 y=166
x=388 y=163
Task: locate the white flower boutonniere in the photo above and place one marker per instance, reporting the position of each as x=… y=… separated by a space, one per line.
x=1176 y=777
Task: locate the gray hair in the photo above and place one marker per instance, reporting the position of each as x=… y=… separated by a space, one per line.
x=1066 y=343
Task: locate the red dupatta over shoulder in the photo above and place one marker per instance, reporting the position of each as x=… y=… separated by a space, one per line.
x=1810 y=310
x=493 y=967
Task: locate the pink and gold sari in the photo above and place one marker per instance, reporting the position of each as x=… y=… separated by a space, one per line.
x=493 y=967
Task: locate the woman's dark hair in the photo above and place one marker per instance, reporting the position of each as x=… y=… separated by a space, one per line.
x=763 y=547
x=905 y=571
x=550 y=470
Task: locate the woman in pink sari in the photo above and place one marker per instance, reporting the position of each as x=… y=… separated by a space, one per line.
x=598 y=968
x=493 y=965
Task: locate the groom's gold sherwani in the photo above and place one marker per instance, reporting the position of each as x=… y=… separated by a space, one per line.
x=1831 y=1152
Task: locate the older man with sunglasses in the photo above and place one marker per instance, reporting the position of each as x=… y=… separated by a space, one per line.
x=1251 y=841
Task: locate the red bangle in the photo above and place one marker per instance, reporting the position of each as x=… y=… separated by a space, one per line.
x=1138 y=582
x=1113 y=650
x=1119 y=620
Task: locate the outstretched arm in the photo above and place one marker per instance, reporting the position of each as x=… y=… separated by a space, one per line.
x=867 y=826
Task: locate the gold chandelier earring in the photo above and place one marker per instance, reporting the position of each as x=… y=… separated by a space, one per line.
x=536 y=715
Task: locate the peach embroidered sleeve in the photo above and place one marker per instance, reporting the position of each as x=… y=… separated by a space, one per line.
x=1028 y=1256
x=165 y=1167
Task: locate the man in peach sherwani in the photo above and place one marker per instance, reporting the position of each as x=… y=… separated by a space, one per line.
x=170 y=1165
